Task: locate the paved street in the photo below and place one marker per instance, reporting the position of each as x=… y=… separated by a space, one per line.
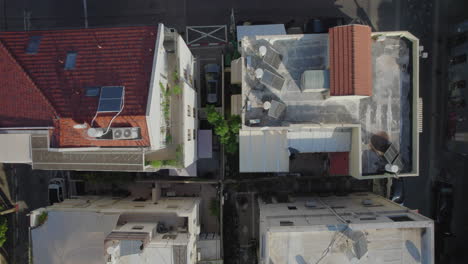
x=28 y=189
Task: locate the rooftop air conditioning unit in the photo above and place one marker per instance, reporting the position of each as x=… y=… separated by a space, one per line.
x=126 y=133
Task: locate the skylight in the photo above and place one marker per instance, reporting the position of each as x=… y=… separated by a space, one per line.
x=70 y=61
x=92 y=91
x=111 y=99
x=33 y=45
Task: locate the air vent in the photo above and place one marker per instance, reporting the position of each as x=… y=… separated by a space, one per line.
x=126 y=133
x=272 y=58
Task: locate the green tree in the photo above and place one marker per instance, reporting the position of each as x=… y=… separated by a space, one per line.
x=3 y=230
x=226 y=130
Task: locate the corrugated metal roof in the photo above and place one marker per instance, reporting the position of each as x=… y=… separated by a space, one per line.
x=320 y=140
x=350 y=60
x=263 y=151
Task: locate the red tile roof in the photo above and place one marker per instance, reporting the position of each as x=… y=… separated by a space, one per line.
x=105 y=57
x=22 y=103
x=350 y=60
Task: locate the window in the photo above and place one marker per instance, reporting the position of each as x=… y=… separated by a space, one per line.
x=400 y=218
x=92 y=91
x=138 y=227
x=189 y=136
x=188 y=110
x=33 y=44
x=194 y=134
x=111 y=99
x=286 y=223
x=70 y=62
x=292 y=207
x=194 y=113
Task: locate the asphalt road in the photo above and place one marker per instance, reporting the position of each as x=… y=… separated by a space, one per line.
x=29 y=189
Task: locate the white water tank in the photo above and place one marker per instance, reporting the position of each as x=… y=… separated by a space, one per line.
x=258 y=73
x=95 y=132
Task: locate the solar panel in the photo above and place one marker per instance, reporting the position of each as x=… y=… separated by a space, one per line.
x=111 y=99
x=272 y=58
x=33 y=45
x=391 y=154
x=70 y=62
x=276 y=109
x=272 y=80
x=92 y=91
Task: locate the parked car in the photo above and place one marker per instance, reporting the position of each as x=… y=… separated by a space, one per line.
x=56 y=190
x=212 y=76
x=397 y=191
x=443 y=193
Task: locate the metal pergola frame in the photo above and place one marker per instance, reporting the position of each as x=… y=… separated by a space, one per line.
x=206 y=35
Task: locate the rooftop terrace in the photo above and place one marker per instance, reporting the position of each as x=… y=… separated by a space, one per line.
x=284 y=59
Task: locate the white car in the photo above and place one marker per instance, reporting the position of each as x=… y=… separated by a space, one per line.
x=56 y=190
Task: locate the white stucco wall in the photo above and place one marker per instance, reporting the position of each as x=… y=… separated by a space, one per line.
x=159 y=74
x=186 y=75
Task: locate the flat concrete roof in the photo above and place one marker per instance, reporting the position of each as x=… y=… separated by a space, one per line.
x=391 y=245
x=387 y=111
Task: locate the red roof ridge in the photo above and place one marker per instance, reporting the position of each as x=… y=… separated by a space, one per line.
x=8 y=53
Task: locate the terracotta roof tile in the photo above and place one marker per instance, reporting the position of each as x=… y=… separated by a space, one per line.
x=105 y=57
x=22 y=103
x=350 y=60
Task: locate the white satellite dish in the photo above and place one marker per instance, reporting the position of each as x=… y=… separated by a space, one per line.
x=258 y=73
x=262 y=50
x=392 y=168
x=95 y=132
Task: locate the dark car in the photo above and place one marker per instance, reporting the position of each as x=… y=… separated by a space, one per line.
x=212 y=76
x=397 y=191
x=443 y=193
x=56 y=190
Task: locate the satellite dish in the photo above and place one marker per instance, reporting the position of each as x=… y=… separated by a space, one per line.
x=392 y=168
x=262 y=50
x=259 y=73
x=95 y=132
x=110 y=250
